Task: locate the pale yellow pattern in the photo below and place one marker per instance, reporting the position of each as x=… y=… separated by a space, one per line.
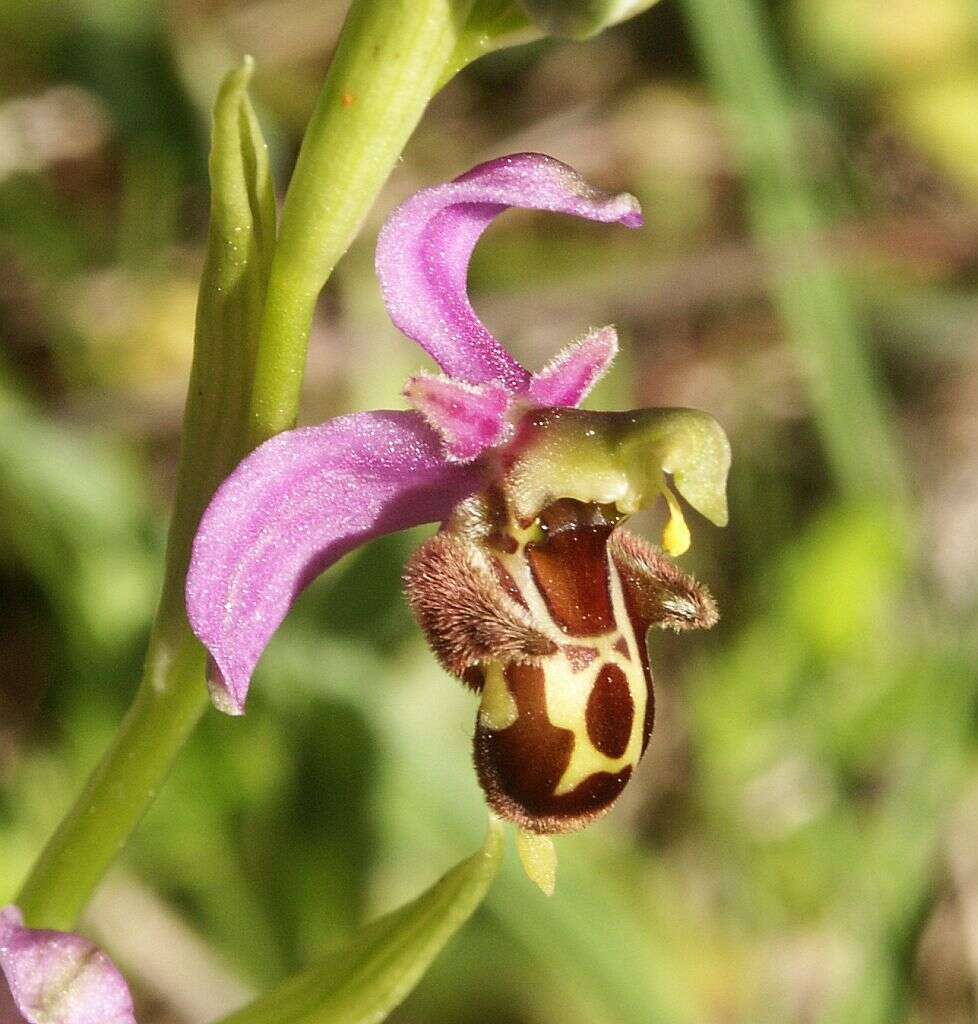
x=498 y=708
x=567 y=691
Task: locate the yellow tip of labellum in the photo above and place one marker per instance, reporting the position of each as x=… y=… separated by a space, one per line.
x=539 y=859
x=675 y=536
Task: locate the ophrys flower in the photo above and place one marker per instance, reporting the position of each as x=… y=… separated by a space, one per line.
x=531 y=592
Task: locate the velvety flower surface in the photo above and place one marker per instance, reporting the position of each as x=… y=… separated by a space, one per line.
x=57 y=978
x=531 y=593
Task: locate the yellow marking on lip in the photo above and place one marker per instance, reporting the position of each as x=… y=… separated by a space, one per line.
x=567 y=700
x=498 y=709
x=531 y=534
x=566 y=692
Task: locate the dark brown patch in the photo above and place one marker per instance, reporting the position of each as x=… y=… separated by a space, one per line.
x=497 y=519
x=610 y=711
x=519 y=767
x=504 y=542
x=569 y=514
x=621 y=646
x=570 y=570
x=579 y=657
x=649 y=713
x=474 y=678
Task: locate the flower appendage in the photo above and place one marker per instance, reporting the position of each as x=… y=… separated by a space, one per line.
x=49 y=977
x=532 y=593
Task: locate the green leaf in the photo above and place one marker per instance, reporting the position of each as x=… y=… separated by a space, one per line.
x=240 y=244
x=363 y=982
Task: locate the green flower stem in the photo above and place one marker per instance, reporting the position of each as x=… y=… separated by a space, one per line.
x=387 y=66
x=168 y=705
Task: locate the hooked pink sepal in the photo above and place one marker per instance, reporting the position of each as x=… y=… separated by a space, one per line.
x=423 y=254
x=469 y=417
x=292 y=508
x=57 y=978
x=570 y=375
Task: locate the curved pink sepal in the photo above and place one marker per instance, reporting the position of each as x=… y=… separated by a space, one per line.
x=424 y=248
x=469 y=417
x=291 y=509
x=57 y=978
x=570 y=375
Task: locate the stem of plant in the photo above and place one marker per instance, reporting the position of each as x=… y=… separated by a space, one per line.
x=168 y=704
x=387 y=66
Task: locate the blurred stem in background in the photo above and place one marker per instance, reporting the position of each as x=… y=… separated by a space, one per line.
x=850 y=410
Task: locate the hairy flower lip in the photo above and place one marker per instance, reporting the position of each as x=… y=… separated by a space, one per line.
x=561 y=725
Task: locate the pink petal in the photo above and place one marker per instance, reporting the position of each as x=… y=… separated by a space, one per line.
x=424 y=248
x=291 y=509
x=570 y=375
x=469 y=417
x=57 y=978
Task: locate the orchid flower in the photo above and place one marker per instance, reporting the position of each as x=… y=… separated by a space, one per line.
x=531 y=592
x=57 y=978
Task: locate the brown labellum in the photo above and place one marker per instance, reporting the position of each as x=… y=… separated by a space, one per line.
x=548 y=623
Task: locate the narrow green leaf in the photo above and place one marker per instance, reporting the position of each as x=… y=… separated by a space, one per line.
x=363 y=982
x=240 y=244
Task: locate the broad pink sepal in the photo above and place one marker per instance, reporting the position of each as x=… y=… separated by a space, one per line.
x=291 y=509
x=57 y=978
x=469 y=417
x=423 y=254
x=570 y=375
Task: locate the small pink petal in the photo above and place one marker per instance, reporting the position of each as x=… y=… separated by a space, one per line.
x=570 y=375
x=424 y=248
x=57 y=978
x=291 y=509
x=469 y=417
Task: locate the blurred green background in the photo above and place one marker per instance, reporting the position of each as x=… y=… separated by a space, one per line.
x=800 y=843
